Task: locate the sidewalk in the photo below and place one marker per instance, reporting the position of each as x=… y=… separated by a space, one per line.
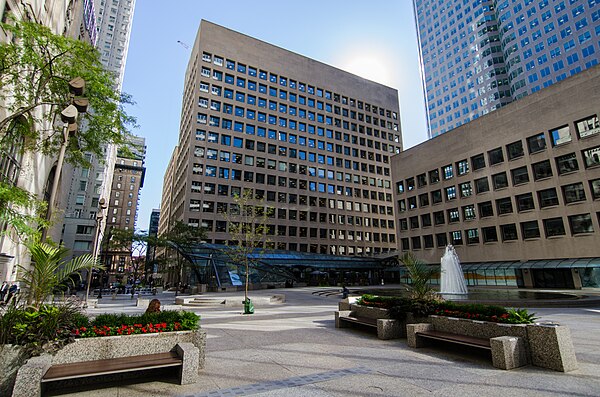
x=294 y=349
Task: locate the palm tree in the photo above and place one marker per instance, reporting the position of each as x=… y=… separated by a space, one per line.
x=420 y=274
x=49 y=270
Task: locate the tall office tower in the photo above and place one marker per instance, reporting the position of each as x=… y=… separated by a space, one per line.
x=127 y=181
x=84 y=186
x=151 y=250
x=314 y=141
x=477 y=56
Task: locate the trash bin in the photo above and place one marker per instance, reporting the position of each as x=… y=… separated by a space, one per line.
x=248 y=306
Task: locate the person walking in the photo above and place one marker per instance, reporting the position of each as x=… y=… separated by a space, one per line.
x=3 y=291
x=12 y=291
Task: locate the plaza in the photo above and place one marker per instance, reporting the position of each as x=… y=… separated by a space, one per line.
x=293 y=349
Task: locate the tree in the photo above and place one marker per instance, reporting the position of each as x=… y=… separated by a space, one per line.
x=49 y=270
x=131 y=242
x=420 y=274
x=180 y=234
x=248 y=231
x=35 y=69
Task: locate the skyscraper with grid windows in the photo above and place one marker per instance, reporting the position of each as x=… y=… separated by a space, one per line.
x=479 y=55
x=314 y=141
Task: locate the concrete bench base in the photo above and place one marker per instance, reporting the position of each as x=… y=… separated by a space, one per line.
x=386 y=328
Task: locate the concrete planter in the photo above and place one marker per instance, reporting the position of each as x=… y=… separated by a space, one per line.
x=99 y=348
x=13 y=357
x=513 y=345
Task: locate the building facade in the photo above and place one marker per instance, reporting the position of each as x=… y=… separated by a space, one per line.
x=313 y=141
x=477 y=56
x=517 y=192
x=111 y=21
x=32 y=171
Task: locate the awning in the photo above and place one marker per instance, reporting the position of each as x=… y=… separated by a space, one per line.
x=535 y=264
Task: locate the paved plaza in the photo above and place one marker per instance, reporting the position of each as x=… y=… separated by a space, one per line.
x=294 y=349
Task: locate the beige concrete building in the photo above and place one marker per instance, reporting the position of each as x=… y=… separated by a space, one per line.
x=517 y=192
x=314 y=141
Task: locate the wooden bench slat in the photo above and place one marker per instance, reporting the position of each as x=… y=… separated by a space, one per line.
x=110 y=366
x=361 y=320
x=461 y=339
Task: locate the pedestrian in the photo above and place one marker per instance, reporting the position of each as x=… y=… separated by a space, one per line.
x=12 y=291
x=345 y=292
x=153 y=306
x=3 y=291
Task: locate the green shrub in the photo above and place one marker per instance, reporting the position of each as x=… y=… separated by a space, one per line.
x=384 y=302
x=188 y=320
x=39 y=329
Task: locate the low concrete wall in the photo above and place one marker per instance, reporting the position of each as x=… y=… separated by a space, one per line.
x=12 y=358
x=28 y=380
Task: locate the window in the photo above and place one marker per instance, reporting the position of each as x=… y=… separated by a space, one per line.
x=468 y=212
x=441 y=240
x=448 y=172
x=500 y=180
x=573 y=193
x=421 y=180
x=519 y=175
x=554 y=227
x=478 y=161
x=541 y=170
x=504 y=206
x=588 y=126
x=472 y=236
x=485 y=209
x=536 y=143
x=508 y=232
x=495 y=156
x=453 y=215
x=591 y=157
x=414 y=222
x=548 y=198
x=482 y=185
x=438 y=218
x=525 y=202
x=566 y=164
x=456 y=237
x=530 y=229
x=560 y=135
x=462 y=167
x=450 y=193
x=434 y=176
x=514 y=150
x=465 y=189
x=581 y=224
x=595 y=188
x=436 y=196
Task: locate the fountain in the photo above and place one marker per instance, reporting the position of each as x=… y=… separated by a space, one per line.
x=452 y=283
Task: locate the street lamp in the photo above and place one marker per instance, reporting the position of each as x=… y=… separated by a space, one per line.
x=99 y=216
x=68 y=117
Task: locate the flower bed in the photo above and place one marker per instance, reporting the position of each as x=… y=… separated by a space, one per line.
x=399 y=307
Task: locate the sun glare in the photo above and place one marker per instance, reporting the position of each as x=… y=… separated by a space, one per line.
x=372 y=65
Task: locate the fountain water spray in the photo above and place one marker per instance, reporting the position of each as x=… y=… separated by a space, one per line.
x=452 y=277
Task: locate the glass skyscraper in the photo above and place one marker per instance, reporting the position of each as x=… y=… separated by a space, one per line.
x=479 y=55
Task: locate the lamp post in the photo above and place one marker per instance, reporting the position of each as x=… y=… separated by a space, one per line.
x=99 y=216
x=68 y=117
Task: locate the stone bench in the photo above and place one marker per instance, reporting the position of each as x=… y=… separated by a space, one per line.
x=508 y=352
x=104 y=356
x=386 y=328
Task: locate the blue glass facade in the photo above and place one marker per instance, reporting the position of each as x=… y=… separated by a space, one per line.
x=479 y=55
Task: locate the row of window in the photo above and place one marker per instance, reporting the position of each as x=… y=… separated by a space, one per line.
x=552 y=227
x=197 y=205
x=292 y=152
x=589 y=126
x=325 y=249
x=572 y=193
x=310 y=115
x=291 y=84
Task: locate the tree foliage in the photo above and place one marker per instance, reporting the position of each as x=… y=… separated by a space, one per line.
x=131 y=242
x=248 y=230
x=49 y=270
x=24 y=215
x=35 y=69
x=420 y=274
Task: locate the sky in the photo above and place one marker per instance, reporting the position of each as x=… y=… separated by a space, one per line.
x=374 y=39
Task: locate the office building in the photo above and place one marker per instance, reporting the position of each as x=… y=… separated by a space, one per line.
x=478 y=56
x=517 y=192
x=83 y=187
x=313 y=141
